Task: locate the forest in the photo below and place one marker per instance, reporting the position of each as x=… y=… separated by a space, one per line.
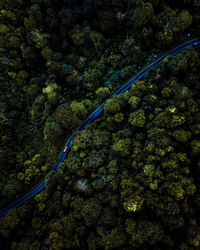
x=132 y=177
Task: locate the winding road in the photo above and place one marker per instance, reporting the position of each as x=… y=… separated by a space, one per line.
x=41 y=186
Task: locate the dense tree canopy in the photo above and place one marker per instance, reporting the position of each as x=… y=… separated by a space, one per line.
x=131 y=180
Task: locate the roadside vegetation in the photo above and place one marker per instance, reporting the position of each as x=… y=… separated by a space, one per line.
x=131 y=179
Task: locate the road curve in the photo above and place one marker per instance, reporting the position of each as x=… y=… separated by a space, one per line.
x=41 y=186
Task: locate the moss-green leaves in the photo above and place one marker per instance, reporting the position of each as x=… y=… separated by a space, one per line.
x=182 y=135
x=134 y=101
x=195 y=145
x=137 y=118
x=143 y=14
x=112 y=106
x=122 y=146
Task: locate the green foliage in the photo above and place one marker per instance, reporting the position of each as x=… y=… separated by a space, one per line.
x=29 y=23
x=51 y=90
x=92 y=75
x=114 y=60
x=194 y=234
x=47 y=53
x=116 y=238
x=7 y=16
x=52 y=131
x=36 y=110
x=100 y=138
x=70 y=116
x=14 y=42
x=176 y=191
x=112 y=106
x=40 y=199
x=78 y=109
x=96 y=39
x=184 y=20
x=138 y=89
x=195 y=145
x=82 y=140
x=90 y=212
x=128 y=46
x=166 y=92
x=133 y=204
x=102 y=93
x=64 y=116
x=22 y=77
x=3 y=29
x=32 y=90
x=56 y=240
x=137 y=118
x=11 y=188
x=122 y=147
x=169 y=119
x=181 y=135
x=39 y=40
x=73 y=77
x=81 y=63
x=149 y=170
x=33 y=169
x=121 y=180
x=9 y=222
x=78 y=36
x=35 y=11
x=134 y=102
x=143 y=14
x=144 y=232
x=160 y=139
x=119 y=117
x=178 y=64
